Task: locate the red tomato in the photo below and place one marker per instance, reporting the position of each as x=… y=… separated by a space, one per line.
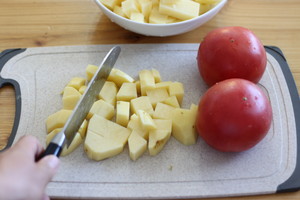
x=231 y=52
x=234 y=115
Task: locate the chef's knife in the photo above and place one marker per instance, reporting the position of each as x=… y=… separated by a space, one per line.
x=66 y=135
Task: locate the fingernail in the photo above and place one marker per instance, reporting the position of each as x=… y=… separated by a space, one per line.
x=52 y=161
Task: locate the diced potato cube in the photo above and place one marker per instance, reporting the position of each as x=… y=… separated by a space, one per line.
x=76 y=82
x=164 y=84
x=208 y=1
x=204 y=8
x=101 y=108
x=51 y=135
x=82 y=89
x=83 y=128
x=118 y=10
x=163 y=124
x=156 y=75
x=70 y=98
x=81 y=131
x=77 y=140
x=171 y=101
x=137 y=17
x=146 y=120
x=108 y=129
x=183 y=126
x=163 y=111
x=108 y=92
x=111 y=3
x=147 y=81
x=157 y=18
x=90 y=71
x=134 y=124
x=157 y=141
x=69 y=91
x=129 y=6
x=123 y=111
x=138 y=87
x=119 y=77
x=127 y=92
x=171 y=2
x=141 y=103
x=145 y=6
x=176 y=89
x=155 y=3
x=194 y=108
x=181 y=9
x=137 y=145
x=157 y=95
x=160 y=135
x=57 y=120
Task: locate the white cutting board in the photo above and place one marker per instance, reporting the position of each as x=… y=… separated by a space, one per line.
x=178 y=171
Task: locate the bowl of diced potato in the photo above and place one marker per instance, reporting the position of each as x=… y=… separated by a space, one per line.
x=160 y=17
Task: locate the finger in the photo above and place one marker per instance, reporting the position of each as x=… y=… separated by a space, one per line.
x=30 y=144
x=46 y=197
x=47 y=168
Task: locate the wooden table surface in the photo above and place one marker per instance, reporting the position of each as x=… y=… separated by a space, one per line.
x=30 y=23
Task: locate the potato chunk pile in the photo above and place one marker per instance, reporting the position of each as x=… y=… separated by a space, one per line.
x=143 y=113
x=159 y=11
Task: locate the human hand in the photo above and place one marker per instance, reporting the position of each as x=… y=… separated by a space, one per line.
x=21 y=177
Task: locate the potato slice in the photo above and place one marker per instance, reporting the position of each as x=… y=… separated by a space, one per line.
x=108 y=129
x=98 y=148
x=57 y=120
x=104 y=138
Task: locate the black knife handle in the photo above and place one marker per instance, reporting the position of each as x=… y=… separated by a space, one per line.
x=52 y=149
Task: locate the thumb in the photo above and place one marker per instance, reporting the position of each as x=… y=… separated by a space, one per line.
x=48 y=167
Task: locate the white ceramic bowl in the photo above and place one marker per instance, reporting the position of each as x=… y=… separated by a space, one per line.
x=161 y=29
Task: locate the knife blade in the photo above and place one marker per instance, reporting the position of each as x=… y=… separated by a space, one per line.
x=66 y=135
